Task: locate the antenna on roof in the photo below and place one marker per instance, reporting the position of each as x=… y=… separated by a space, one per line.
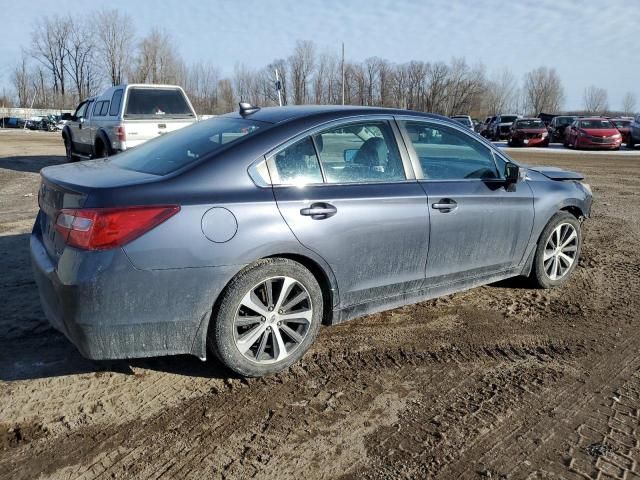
x=247 y=109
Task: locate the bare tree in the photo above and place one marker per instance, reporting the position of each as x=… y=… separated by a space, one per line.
x=301 y=64
x=542 y=91
x=629 y=103
x=48 y=46
x=21 y=82
x=596 y=100
x=464 y=86
x=501 y=93
x=80 y=65
x=157 y=60
x=115 y=42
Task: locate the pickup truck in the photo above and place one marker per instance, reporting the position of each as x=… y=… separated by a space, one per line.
x=124 y=116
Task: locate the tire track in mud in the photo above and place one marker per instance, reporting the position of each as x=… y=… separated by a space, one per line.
x=208 y=420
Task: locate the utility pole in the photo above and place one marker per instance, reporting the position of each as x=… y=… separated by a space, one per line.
x=342 y=63
x=278 y=88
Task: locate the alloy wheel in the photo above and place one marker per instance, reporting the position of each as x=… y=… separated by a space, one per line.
x=560 y=251
x=272 y=320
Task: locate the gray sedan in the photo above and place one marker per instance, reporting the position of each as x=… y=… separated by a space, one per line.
x=240 y=235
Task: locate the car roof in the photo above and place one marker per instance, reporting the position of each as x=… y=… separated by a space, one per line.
x=592 y=118
x=290 y=113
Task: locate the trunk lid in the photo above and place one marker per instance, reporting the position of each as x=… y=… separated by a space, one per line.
x=69 y=186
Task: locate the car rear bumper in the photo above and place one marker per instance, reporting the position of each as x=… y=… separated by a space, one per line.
x=110 y=310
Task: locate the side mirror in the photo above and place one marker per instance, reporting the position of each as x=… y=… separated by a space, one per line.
x=350 y=154
x=511 y=176
x=81 y=120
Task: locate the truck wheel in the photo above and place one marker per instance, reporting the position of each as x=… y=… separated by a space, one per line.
x=630 y=143
x=558 y=251
x=267 y=318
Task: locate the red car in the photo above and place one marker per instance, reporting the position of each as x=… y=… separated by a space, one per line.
x=593 y=133
x=528 y=132
x=623 y=125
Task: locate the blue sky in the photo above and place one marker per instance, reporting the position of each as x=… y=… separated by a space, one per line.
x=588 y=42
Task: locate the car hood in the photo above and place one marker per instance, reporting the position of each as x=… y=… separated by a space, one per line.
x=531 y=130
x=555 y=173
x=601 y=132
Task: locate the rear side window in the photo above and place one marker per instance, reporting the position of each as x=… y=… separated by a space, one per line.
x=96 y=108
x=448 y=154
x=147 y=102
x=116 y=99
x=297 y=164
x=105 y=108
x=360 y=152
x=178 y=149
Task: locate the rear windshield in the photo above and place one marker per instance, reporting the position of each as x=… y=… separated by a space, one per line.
x=178 y=149
x=621 y=123
x=157 y=102
x=463 y=120
x=507 y=119
x=530 y=124
x=596 y=124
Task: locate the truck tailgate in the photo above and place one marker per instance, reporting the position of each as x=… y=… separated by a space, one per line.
x=139 y=131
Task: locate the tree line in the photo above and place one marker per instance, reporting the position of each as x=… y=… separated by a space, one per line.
x=71 y=58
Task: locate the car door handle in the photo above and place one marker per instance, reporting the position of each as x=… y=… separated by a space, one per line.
x=445 y=205
x=319 y=211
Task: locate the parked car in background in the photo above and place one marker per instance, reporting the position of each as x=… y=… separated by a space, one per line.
x=484 y=127
x=12 y=122
x=624 y=127
x=634 y=132
x=501 y=126
x=593 y=133
x=464 y=120
x=240 y=235
x=557 y=127
x=528 y=132
x=123 y=117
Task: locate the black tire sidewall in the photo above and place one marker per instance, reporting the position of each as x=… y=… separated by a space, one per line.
x=538 y=274
x=220 y=336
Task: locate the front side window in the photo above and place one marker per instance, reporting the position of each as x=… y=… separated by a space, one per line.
x=445 y=153
x=297 y=164
x=360 y=152
x=105 y=108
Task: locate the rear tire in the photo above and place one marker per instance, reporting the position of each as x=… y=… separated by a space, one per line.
x=630 y=142
x=553 y=263
x=256 y=333
x=68 y=149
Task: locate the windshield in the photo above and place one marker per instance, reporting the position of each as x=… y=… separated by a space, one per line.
x=175 y=150
x=157 y=102
x=508 y=119
x=530 y=124
x=596 y=124
x=565 y=120
x=621 y=123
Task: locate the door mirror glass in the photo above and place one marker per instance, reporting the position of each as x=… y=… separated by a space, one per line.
x=511 y=173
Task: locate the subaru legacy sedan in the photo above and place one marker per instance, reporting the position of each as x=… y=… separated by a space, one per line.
x=240 y=235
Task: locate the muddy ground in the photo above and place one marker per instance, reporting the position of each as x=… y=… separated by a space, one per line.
x=499 y=382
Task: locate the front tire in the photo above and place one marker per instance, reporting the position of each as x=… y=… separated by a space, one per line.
x=630 y=142
x=267 y=318
x=68 y=149
x=558 y=251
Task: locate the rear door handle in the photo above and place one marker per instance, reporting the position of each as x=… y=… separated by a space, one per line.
x=319 y=211
x=445 y=205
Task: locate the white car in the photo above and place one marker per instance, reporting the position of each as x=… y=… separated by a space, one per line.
x=123 y=117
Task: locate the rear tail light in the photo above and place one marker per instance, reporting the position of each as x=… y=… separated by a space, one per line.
x=104 y=228
x=121 y=133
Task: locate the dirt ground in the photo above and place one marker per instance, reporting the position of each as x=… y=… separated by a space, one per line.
x=498 y=382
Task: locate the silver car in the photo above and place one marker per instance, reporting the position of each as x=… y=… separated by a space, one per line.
x=240 y=235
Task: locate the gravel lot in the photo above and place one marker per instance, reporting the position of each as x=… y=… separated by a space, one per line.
x=498 y=382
